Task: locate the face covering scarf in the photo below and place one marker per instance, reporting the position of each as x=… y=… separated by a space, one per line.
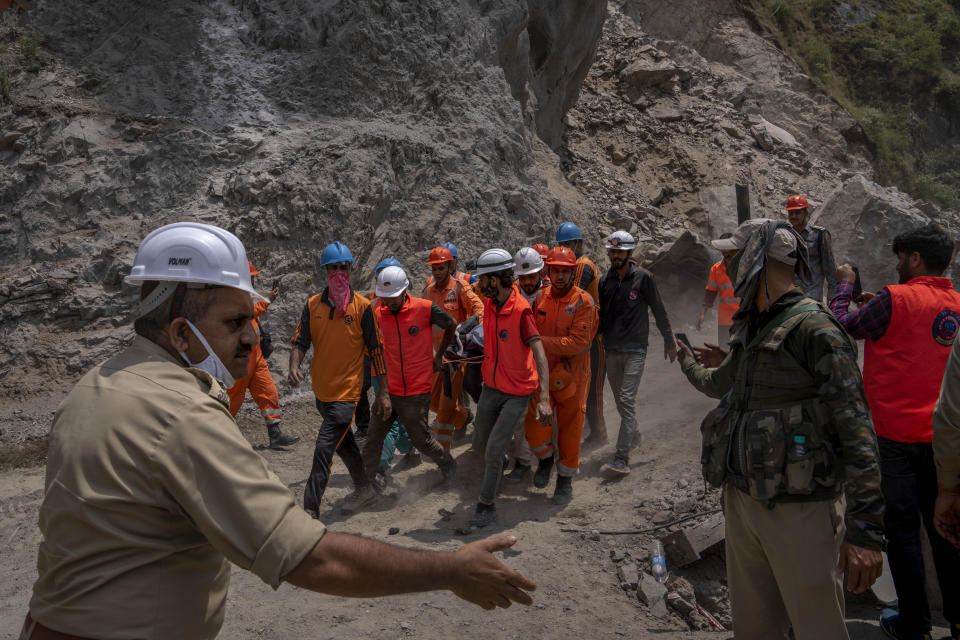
x=338 y=284
x=211 y=364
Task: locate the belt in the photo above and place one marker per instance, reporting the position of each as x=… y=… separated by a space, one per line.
x=33 y=630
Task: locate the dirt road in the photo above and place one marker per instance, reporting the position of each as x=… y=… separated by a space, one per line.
x=578 y=593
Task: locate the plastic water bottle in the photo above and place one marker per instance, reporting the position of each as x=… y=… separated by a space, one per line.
x=658 y=563
x=799 y=447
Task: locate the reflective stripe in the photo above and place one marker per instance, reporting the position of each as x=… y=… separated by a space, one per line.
x=270 y=423
x=544 y=451
x=563 y=470
x=266 y=413
x=712 y=284
x=735 y=301
x=444 y=437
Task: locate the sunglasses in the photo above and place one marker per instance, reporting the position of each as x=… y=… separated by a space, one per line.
x=340 y=266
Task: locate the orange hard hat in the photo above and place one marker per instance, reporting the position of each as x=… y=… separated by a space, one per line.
x=561 y=257
x=542 y=249
x=440 y=255
x=796 y=202
x=253 y=269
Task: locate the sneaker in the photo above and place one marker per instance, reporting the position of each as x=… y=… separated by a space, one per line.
x=485 y=514
x=520 y=473
x=542 y=477
x=617 y=467
x=888 y=622
x=379 y=481
x=358 y=499
x=563 y=494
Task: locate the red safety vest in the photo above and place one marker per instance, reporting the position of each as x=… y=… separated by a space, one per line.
x=508 y=363
x=903 y=370
x=407 y=346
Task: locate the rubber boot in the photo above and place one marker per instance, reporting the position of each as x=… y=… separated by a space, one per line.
x=542 y=477
x=563 y=494
x=279 y=439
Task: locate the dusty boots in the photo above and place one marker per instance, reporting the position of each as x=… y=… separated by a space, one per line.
x=520 y=473
x=563 y=494
x=279 y=439
x=542 y=477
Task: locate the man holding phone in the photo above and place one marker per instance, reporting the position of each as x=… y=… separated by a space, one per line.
x=626 y=292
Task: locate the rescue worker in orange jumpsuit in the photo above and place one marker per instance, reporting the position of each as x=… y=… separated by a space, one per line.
x=458 y=299
x=567 y=320
x=720 y=286
x=587 y=277
x=260 y=382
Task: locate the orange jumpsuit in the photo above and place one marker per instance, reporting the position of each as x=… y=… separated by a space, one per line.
x=458 y=299
x=567 y=325
x=258 y=380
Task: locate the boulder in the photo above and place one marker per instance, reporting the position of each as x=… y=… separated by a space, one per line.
x=863 y=218
x=681 y=269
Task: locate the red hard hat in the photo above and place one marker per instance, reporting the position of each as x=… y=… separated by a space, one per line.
x=796 y=202
x=253 y=269
x=561 y=257
x=542 y=249
x=440 y=255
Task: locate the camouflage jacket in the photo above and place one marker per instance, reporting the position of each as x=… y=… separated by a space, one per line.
x=794 y=424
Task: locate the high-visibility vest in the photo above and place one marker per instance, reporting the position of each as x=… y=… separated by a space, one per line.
x=727 y=303
x=903 y=370
x=508 y=363
x=407 y=346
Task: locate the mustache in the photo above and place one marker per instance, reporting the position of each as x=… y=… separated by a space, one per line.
x=244 y=351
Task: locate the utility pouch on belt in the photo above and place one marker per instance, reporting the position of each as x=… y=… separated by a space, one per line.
x=561 y=381
x=266 y=341
x=715 y=442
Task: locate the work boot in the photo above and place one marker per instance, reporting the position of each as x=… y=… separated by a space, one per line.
x=617 y=467
x=485 y=514
x=412 y=459
x=279 y=439
x=520 y=473
x=361 y=497
x=563 y=494
x=542 y=477
x=448 y=469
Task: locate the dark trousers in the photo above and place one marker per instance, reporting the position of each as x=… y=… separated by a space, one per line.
x=362 y=417
x=413 y=412
x=595 y=397
x=909 y=484
x=334 y=436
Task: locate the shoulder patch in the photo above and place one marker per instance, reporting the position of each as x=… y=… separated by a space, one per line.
x=945 y=327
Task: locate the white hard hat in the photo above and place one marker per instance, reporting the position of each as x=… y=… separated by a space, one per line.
x=190 y=252
x=493 y=260
x=621 y=240
x=526 y=262
x=391 y=282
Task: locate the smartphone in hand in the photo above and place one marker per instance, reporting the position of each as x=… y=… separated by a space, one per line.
x=682 y=337
x=276 y=284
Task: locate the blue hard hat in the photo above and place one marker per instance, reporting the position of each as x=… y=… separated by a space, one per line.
x=386 y=262
x=568 y=231
x=334 y=253
x=453 y=249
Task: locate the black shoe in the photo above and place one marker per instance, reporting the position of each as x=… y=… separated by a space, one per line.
x=485 y=514
x=279 y=439
x=616 y=468
x=542 y=477
x=520 y=473
x=448 y=469
x=563 y=494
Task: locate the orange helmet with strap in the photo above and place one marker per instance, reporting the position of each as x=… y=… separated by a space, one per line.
x=542 y=249
x=797 y=202
x=561 y=257
x=440 y=255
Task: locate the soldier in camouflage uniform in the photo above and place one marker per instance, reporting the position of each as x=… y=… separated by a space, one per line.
x=790 y=437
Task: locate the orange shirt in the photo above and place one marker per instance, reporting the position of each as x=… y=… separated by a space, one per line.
x=587 y=277
x=728 y=303
x=457 y=299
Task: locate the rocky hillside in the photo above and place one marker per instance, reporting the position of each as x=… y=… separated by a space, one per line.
x=388 y=125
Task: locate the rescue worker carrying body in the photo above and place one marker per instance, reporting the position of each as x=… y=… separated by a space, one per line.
x=567 y=321
x=403 y=326
x=587 y=277
x=514 y=367
x=720 y=288
x=528 y=268
x=340 y=327
x=259 y=381
x=458 y=299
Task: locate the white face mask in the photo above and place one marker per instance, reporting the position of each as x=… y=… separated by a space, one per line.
x=211 y=364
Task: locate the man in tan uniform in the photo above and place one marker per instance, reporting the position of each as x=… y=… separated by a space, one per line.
x=151 y=488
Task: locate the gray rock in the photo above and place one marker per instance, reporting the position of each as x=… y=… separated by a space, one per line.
x=629 y=576
x=653 y=594
x=662 y=517
x=618 y=555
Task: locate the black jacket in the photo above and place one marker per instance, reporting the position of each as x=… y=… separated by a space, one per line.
x=623 y=310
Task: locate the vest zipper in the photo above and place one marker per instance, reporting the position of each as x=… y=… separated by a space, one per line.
x=403 y=376
x=496 y=341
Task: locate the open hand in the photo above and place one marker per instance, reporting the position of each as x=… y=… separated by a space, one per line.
x=710 y=355
x=487 y=582
x=294 y=377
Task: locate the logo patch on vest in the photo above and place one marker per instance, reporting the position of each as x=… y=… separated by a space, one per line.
x=570 y=309
x=348 y=319
x=414 y=330
x=451 y=296
x=504 y=334
x=633 y=294
x=945 y=327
